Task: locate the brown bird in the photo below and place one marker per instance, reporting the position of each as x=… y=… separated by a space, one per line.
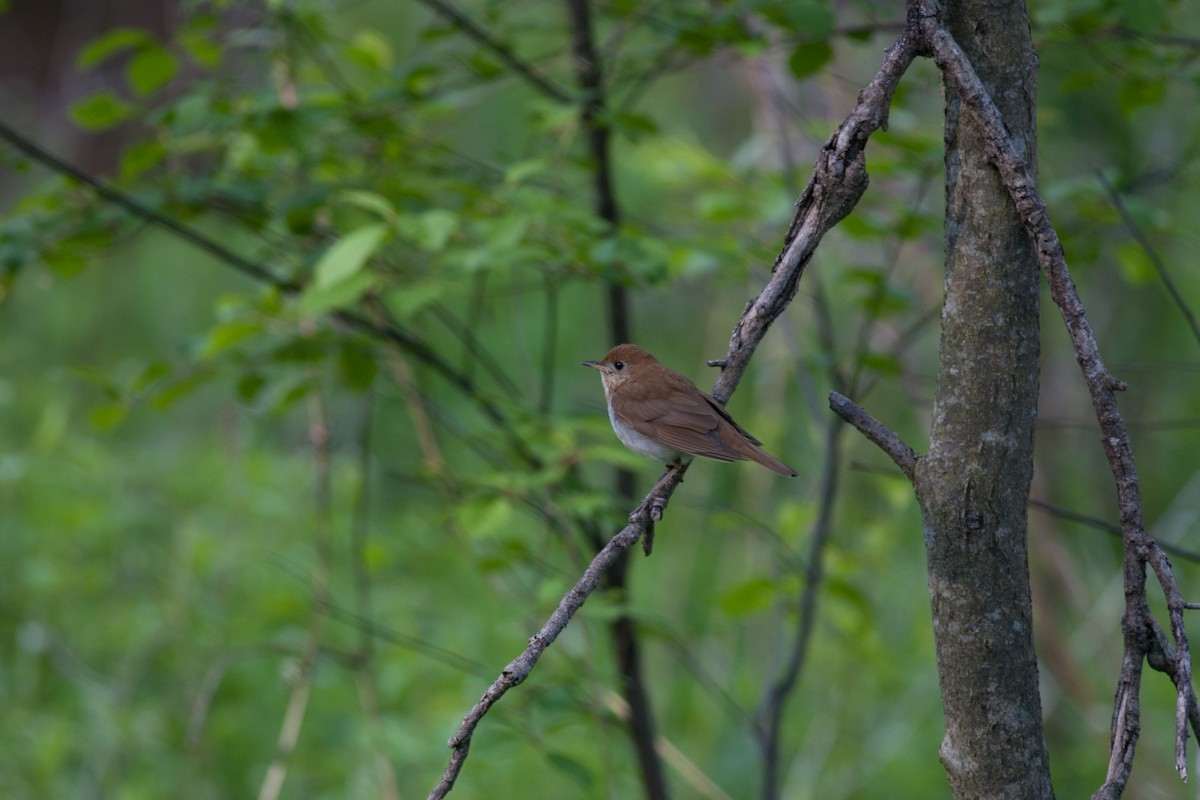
x=658 y=413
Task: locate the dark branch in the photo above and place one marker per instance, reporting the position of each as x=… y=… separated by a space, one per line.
x=1147 y=248
x=623 y=630
x=146 y=213
x=469 y=28
x=1139 y=549
x=385 y=331
x=1108 y=527
x=520 y=667
x=882 y=436
x=839 y=180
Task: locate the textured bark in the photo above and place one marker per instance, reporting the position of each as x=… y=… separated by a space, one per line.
x=974 y=483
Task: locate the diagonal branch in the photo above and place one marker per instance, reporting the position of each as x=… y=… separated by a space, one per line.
x=1139 y=548
x=500 y=50
x=1152 y=254
x=839 y=180
x=876 y=432
x=520 y=667
x=119 y=198
x=377 y=329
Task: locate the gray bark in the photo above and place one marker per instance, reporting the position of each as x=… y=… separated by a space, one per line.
x=974 y=483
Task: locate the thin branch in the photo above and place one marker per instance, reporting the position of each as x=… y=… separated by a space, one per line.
x=297 y=707
x=383 y=330
x=472 y=30
x=1147 y=248
x=137 y=209
x=623 y=630
x=839 y=180
x=1139 y=548
x=1107 y=527
x=520 y=667
x=363 y=657
x=769 y=723
x=883 y=437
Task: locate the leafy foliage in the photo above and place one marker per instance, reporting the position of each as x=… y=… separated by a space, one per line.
x=157 y=541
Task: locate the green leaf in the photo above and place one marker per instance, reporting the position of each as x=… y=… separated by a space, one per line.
x=571 y=767
x=348 y=255
x=518 y=172
x=809 y=58
x=634 y=126
x=1140 y=93
x=96 y=377
x=64 y=262
x=201 y=49
x=110 y=44
x=371 y=50
x=181 y=388
x=357 y=367
x=107 y=416
x=227 y=335
x=748 y=597
x=434 y=229
x=151 y=69
x=101 y=111
x=486 y=517
x=320 y=299
x=151 y=374
x=249 y=386
x=141 y=156
x=407 y=300
x=368 y=201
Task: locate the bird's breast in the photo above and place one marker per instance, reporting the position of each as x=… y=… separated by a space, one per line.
x=638 y=442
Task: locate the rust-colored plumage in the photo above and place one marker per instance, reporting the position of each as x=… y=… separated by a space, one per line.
x=658 y=413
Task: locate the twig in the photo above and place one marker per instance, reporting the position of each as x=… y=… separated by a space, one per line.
x=119 y=198
x=1147 y=248
x=769 y=722
x=1108 y=527
x=520 y=667
x=839 y=180
x=497 y=48
x=362 y=661
x=1139 y=548
x=293 y=718
x=623 y=630
x=883 y=437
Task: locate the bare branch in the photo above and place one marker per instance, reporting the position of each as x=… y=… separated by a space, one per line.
x=882 y=436
x=1147 y=248
x=839 y=180
x=520 y=667
x=472 y=30
x=1139 y=548
x=141 y=211
x=297 y=707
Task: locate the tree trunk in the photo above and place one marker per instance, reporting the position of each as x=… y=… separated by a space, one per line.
x=974 y=483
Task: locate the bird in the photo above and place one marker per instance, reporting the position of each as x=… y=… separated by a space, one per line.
x=660 y=414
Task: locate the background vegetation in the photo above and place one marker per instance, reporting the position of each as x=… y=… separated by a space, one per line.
x=214 y=494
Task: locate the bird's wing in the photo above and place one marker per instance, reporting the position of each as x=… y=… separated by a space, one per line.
x=685 y=419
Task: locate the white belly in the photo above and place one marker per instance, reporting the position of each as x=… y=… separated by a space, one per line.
x=642 y=445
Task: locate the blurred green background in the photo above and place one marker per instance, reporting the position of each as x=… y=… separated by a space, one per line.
x=213 y=495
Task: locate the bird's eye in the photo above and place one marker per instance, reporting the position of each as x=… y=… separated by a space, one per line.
x=618 y=365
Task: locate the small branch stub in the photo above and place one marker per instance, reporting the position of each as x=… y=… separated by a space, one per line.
x=881 y=435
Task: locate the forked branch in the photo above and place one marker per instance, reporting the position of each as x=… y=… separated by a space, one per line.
x=1142 y=636
x=839 y=180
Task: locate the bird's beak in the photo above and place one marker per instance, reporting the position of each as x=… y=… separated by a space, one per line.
x=592 y=364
